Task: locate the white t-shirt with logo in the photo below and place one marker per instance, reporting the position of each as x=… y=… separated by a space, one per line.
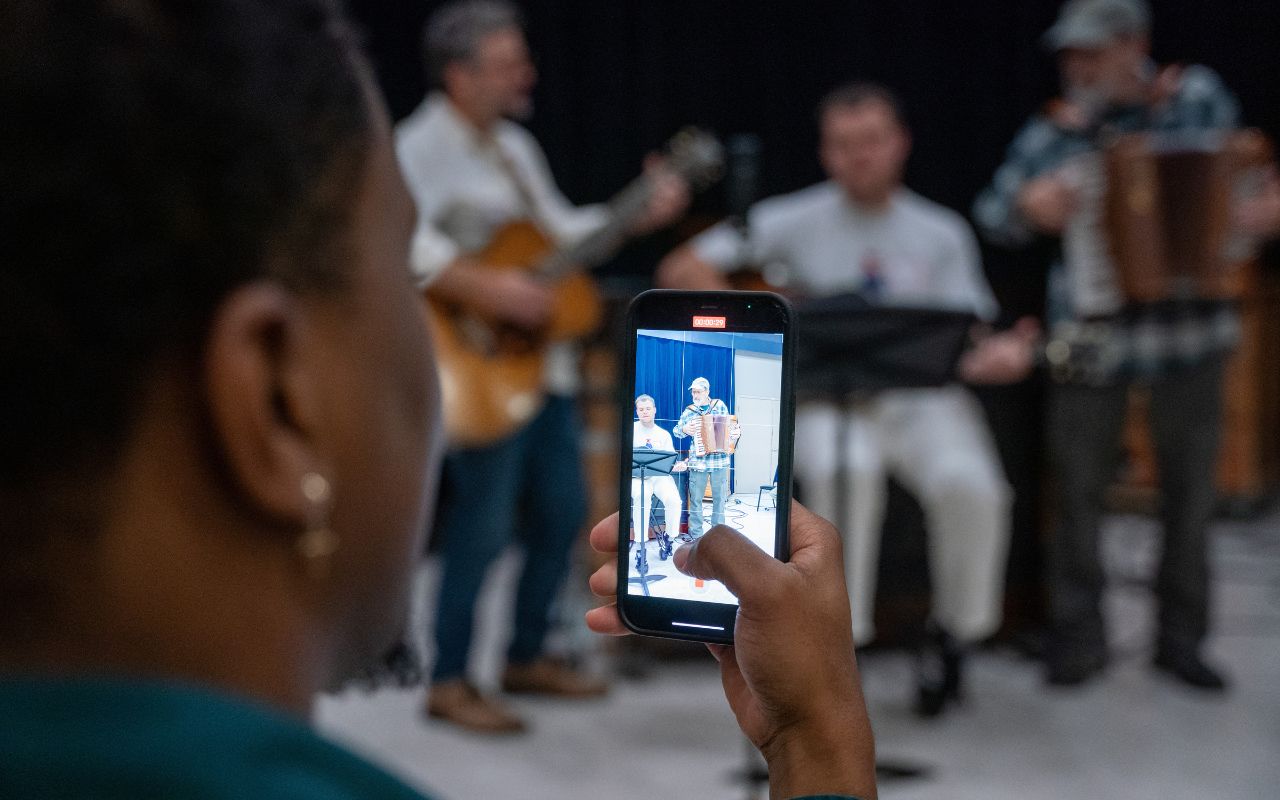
x=914 y=253
x=654 y=438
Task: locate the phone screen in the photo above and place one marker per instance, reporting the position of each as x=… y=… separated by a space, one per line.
x=709 y=445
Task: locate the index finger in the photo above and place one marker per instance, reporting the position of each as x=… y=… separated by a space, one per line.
x=604 y=536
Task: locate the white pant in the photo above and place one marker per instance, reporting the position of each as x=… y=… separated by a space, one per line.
x=936 y=442
x=664 y=488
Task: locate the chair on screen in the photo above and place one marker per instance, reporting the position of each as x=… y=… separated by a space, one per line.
x=768 y=487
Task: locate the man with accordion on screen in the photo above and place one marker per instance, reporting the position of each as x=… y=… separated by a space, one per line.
x=715 y=432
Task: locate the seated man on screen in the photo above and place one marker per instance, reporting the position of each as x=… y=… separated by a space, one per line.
x=864 y=231
x=648 y=435
x=712 y=467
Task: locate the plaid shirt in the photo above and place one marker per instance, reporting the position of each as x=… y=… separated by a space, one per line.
x=711 y=461
x=1149 y=341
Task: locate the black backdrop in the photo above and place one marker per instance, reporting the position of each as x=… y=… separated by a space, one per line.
x=619 y=77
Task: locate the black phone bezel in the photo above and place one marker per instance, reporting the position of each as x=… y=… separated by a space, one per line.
x=666 y=309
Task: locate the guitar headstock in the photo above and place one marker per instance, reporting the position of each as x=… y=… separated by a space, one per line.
x=697 y=156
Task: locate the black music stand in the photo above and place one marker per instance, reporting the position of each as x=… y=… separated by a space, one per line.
x=848 y=346
x=650 y=462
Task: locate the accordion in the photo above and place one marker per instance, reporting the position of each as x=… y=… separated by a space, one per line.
x=1164 y=210
x=711 y=434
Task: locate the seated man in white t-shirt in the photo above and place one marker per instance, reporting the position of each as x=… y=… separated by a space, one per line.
x=648 y=435
x=863 y=231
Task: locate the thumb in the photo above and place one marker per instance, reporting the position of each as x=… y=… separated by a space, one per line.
x=727 y=556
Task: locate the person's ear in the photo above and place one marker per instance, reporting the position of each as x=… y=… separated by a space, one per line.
x=263 y=400
x=455 y=79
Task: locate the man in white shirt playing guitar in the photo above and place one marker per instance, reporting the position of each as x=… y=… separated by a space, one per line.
x=465 y=160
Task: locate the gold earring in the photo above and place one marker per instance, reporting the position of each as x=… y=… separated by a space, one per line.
x=319 y=542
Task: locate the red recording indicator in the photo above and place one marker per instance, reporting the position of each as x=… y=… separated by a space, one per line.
x=708 y=322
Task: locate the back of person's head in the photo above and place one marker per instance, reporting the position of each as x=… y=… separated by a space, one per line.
x=454 y=32
x=155 y=156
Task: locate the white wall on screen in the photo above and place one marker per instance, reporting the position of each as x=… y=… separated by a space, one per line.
x=757 y=386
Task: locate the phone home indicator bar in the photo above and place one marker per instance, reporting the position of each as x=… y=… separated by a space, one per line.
x=695 y=625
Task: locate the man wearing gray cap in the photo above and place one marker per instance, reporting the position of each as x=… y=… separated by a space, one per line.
x=1097 y=24
x=1112 y=87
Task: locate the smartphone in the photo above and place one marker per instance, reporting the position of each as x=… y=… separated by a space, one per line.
x=708 y=413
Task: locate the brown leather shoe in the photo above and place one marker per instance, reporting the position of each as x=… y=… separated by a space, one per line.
x=551 y=677
x=462 y=704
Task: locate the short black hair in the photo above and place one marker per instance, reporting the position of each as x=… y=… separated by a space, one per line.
x=859 y=93
x=154 y=155
x=454 y=32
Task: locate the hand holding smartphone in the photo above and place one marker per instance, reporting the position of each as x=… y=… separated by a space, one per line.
x=772 y=603
x=790 y=677
x=707 y=417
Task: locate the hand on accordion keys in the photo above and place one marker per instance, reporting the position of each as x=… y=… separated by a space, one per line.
x=1258 y=213
x=1047 y=202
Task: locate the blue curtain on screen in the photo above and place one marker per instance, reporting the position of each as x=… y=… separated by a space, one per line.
x=664 y=370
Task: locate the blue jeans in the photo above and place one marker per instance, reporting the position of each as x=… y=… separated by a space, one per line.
x=719 y=479
x=528 y=489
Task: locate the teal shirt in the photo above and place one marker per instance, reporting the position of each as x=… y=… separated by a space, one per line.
x=107 y=738
x=116 y=738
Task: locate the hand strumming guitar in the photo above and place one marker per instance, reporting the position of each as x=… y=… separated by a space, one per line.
x=504 y=295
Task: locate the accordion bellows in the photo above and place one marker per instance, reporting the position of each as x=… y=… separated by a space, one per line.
x=711 y=434
x=1167 y=211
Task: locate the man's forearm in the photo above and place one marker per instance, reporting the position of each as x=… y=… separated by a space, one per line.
x=999 y=219
x=683 y=269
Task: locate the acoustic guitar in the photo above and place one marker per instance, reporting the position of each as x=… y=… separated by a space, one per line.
x=491 y=374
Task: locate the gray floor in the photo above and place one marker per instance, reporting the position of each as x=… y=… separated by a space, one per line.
x=1130 y=735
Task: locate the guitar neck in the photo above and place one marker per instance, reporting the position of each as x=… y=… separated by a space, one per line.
x=624 y=209
x=693 y=155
